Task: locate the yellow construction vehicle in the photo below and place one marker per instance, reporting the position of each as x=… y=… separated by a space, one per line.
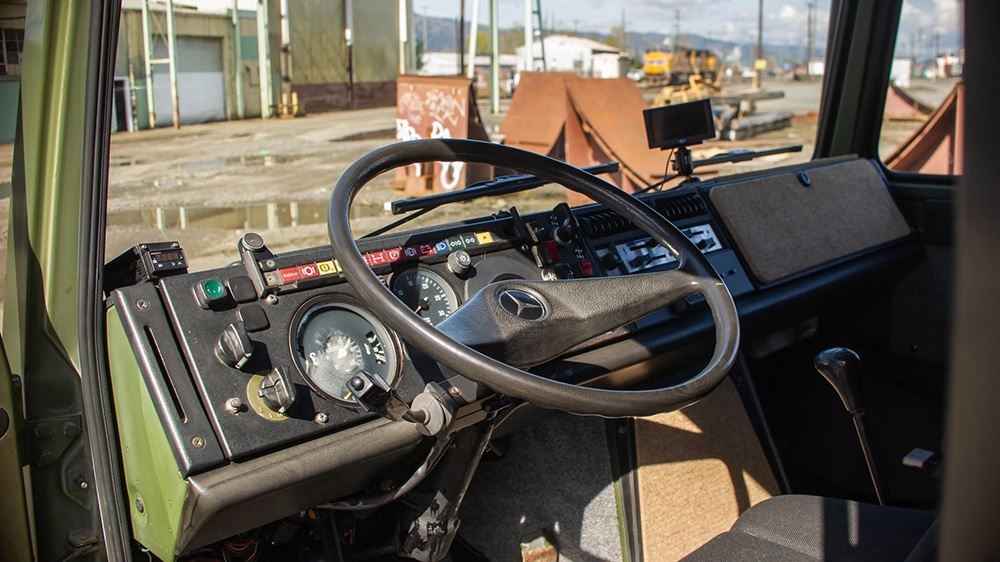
x=663 y=68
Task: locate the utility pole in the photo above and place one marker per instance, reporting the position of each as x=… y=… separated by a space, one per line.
x=937 y=52
x=147 y=47
x=809 y=36
x=529 y=37
x=624 y=38
x=677 y=30
x=759 y=63
x=494 y=57
x=461 y=37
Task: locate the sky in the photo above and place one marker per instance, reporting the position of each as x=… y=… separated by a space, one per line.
x=731 y=20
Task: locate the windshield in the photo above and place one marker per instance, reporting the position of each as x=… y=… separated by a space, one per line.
x=340 y=79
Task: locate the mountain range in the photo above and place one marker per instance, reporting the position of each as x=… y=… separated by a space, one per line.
x=442 y=35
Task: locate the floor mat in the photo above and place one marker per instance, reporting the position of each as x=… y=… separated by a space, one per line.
x=699 y=468
x=555 y=477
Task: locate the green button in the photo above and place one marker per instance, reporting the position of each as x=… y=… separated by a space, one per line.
x=214 y=289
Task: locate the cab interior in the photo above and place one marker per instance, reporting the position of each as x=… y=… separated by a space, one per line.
x=617 y=380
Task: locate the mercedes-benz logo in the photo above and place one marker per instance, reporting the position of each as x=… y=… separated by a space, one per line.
x=521 y=304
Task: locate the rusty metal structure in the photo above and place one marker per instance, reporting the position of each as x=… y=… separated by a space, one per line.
x=584 y=121
x=901 y=106
x=937 y=146
x=430 y=107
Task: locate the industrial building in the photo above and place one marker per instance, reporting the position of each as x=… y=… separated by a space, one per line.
x=319 y=55
x=585 y=57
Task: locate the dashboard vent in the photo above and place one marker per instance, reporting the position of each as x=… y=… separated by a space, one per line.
x=606 y=223
x=678 y=208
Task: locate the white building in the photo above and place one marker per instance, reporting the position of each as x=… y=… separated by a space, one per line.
x=583 y=56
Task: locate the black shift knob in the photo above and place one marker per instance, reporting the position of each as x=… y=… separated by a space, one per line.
x=841 y=367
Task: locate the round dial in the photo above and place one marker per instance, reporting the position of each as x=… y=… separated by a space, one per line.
x=332 y=340
x=426 y=293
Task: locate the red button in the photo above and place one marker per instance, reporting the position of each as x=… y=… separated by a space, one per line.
x=426 y=249
x=586 y=268
x=308 y=270
x=378 y=258
x=394 y=255
x=290 y=274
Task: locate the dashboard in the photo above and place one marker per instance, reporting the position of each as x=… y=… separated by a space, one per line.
x=267 y=345
x=248 y=367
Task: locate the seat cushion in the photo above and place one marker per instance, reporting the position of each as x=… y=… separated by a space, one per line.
x=796 y=527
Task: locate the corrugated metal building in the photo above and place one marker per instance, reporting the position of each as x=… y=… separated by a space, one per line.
x=12 y=16
x=324 y=64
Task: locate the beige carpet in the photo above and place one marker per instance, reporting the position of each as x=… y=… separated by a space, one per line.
x=699 y=468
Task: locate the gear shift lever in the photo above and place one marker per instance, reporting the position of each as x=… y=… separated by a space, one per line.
x=841 y=367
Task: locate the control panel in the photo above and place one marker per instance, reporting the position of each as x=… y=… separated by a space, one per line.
x=259 y=354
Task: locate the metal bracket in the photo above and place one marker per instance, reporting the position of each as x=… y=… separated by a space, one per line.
x=46 y=440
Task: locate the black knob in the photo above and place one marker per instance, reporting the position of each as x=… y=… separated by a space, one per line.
x=841 y=367
x=459 y=262
x=564 y=234
x=277 y=390
x=234 y=347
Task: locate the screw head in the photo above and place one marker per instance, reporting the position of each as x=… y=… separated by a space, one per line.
x=198 y=442
x=142 y=304
x=321 y=418
x=455 y=391
x=43 y=431
x=139 y=506
x=271 y=299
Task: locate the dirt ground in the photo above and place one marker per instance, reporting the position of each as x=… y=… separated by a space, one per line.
x=205 y=185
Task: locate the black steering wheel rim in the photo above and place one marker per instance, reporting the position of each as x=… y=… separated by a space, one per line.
x=495 y=374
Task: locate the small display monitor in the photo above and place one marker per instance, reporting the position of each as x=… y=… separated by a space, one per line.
x=679 y=124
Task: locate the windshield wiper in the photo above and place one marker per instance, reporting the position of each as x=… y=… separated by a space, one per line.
x=504 y=185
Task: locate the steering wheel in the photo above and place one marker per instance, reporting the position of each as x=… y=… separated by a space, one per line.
x=512 y=325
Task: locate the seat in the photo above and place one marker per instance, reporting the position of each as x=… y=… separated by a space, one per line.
x=796 y=527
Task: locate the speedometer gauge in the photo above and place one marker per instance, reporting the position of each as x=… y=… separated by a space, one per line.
x=332 y=340
x=426 y=293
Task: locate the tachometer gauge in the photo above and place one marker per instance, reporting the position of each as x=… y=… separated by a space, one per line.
x=332 y=340
x=426 y=293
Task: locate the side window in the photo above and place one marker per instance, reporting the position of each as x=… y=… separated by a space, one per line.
x=920 y=126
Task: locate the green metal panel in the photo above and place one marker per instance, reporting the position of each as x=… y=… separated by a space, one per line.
x=15 y=539
x=156 y=490
x=41 y=299
x=319 y=53
x=248 y=46
x=376 y=40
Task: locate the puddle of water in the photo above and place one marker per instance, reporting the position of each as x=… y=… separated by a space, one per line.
x=384 y=134
x=267 y=216
x=125 y=162
x=266 y=160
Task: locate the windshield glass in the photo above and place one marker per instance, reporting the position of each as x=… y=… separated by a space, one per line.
x=338 y=79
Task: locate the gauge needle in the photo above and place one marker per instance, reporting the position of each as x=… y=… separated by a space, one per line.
x=424 y=304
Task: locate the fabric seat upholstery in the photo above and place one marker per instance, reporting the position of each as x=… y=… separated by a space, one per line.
x=795 y=527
